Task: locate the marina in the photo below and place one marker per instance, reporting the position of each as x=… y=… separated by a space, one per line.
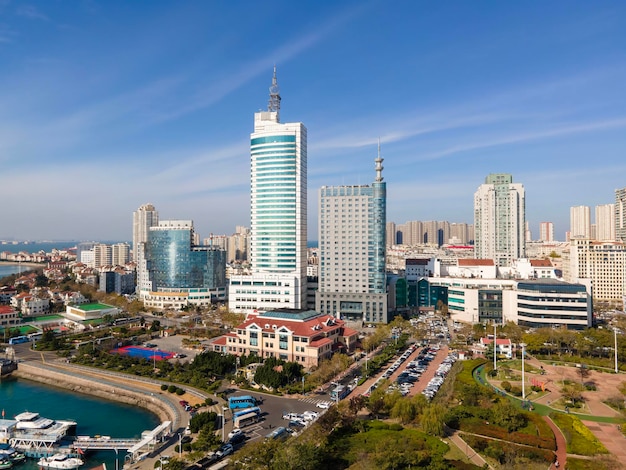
x=48 y=439
x=95 y=419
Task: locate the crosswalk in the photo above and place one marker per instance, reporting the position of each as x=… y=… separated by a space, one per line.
x=313 y=401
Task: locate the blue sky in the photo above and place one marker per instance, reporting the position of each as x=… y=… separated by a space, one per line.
x=108 y=105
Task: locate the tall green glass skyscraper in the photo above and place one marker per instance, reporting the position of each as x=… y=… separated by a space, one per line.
x=278 y=215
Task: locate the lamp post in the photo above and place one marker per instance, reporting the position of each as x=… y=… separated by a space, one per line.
x=180 y=445
x=615 y=335
x=495 y=347
x=523 y=381
x=223 y=423
x=116 y=461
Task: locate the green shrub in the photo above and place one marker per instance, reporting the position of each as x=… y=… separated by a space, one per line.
x=163 y=387
x=580 y=440
x=517 y=391
x=179 y=391
x=506 y=385
x=172 y=388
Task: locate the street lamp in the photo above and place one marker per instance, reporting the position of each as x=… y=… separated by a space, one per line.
x=180 y=445
x=523 y=381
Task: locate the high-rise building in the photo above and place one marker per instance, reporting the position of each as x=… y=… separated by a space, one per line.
x=278 y=215
x=103 y=255
x=391 y=234
x=120 y=254
x=580 y=222
x=179 y=273
x=499 y=219
x=605 y=222
x=143 y=218
x=620 y=214
x=546 y=232
x=604 y=263
x=352 y=230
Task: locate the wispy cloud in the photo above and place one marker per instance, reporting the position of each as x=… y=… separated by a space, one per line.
x=528 y=136
x=31 y=12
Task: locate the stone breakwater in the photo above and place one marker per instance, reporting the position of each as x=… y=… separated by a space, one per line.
x=102 y=388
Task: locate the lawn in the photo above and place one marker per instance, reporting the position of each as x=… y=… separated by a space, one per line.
x=580 y=440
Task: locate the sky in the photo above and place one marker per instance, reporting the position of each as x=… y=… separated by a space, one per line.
x=108 y=105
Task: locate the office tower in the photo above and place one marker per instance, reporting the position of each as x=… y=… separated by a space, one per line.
x=143 y=218
x=546 y=232
x=120 y=254
x=620 y=214
x=82 y=248
x=352 y=282
x=580 y=222
x=278 y=215
x=499 y=219
x=605 y=223
x=179 y=273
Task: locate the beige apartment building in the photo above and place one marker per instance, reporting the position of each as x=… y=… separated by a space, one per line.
x=602 y=262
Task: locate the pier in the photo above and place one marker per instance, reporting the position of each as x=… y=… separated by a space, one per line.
x=134 y=447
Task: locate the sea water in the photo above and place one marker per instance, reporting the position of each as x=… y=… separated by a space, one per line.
x=93 y=415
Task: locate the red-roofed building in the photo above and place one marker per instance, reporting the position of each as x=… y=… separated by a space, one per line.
x=504 y=346
x=303 y=337
x=8 y=316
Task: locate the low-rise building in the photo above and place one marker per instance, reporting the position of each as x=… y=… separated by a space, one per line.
x=305 y=337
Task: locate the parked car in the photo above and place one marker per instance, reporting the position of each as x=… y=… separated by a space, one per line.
x=225 y=450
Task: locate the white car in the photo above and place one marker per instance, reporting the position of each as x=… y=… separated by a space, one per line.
x=234 y=432
x=323 y=405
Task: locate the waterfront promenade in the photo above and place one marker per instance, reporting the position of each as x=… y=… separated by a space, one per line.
x=47 y=367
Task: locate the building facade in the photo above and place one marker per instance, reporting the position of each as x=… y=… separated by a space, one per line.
x=604 y=264
x=580 y=222
x=500 y=220
x=620 y=215
x=605 y=222
x=278 y=215
x=546 y=232
x=305 y=337
x=533 y=303
x=179 y=273
x=352 y=231
x=143 y=218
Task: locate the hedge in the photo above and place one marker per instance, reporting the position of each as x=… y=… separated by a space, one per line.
x=498 y=449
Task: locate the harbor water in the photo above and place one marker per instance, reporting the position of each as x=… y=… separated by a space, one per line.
x=94 y=416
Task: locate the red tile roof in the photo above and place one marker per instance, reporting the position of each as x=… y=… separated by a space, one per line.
x=541 y=263
x=5 y=310
x=475 y=262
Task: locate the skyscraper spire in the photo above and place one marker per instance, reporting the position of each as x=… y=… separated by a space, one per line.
x=274 y=103
x=379 y=165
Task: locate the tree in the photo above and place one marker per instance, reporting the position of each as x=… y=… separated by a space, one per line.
x=432 y=420
x=505 y=415
x=155 y=326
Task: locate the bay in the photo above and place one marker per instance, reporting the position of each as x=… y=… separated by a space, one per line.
x=93 y=415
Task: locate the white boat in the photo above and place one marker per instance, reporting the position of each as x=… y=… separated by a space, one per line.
x=60 y=462
x=29 y=421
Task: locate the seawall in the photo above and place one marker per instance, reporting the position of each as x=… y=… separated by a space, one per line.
x=102 y=388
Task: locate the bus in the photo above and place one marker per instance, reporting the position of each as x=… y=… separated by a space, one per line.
x=35 y=336
x=339 y=392
x=245 y=401
x=254 y=409
x=246 y=419
x=19 y=340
